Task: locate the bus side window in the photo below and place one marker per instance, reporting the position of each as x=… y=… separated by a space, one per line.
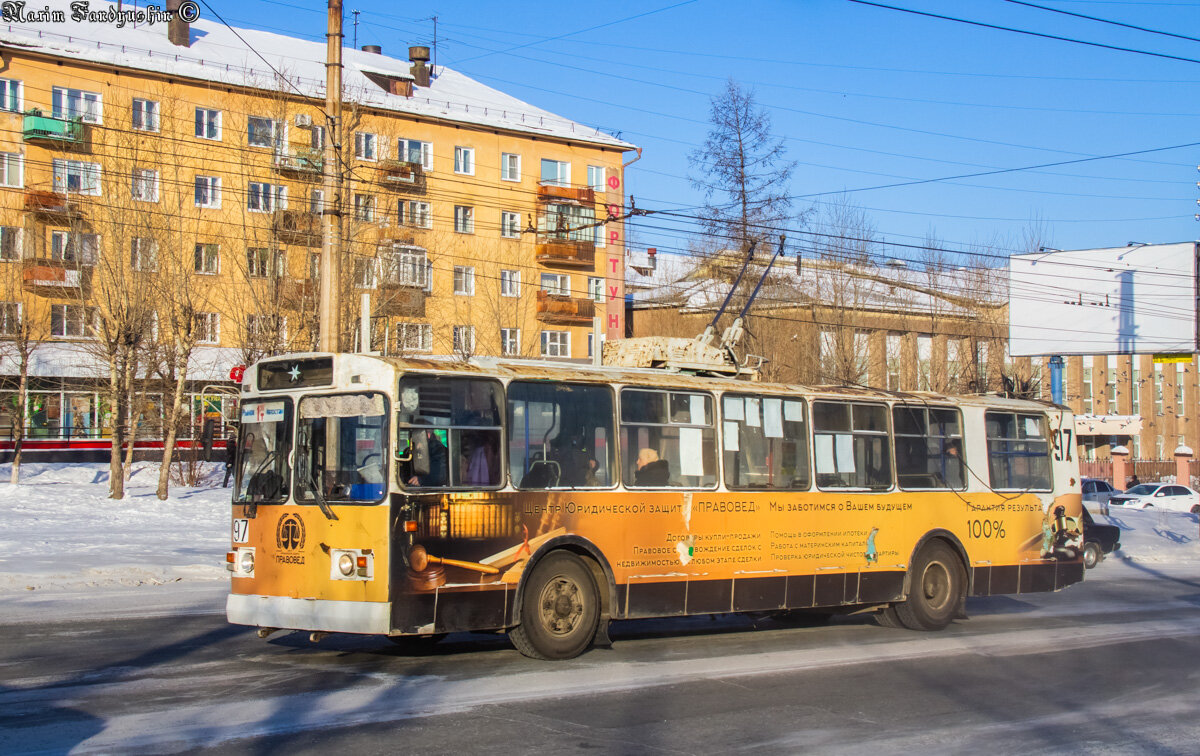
x=764 y=442
x=1018 y=451
x=559 y=435
x=851 y=445
x=929 y=447
x=668 y=439
x=449 y=433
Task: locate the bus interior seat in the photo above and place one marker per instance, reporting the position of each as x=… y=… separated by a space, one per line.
x=542 y=474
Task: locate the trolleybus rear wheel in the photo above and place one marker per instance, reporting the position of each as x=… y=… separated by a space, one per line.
x=560 y=609
x=937 y=588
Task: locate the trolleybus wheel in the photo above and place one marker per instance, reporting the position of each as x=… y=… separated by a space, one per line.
x=937 y=589
x=887 y=617
x=1092 y=554
x=560 y=609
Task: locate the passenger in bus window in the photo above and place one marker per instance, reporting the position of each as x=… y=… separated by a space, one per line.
x=478 y=458
x=651 y=471
x=589 y=476
x=430 y=459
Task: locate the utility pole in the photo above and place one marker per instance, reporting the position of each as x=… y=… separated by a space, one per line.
x=331 y=204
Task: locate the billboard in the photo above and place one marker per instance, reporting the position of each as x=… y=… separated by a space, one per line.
x=1139 y=299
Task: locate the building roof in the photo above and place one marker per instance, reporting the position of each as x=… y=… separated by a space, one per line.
x=217 y=54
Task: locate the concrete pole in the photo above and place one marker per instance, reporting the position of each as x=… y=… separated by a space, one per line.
x=331 y=205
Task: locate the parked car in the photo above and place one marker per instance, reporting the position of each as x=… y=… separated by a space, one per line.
x=1096 y=491
x=1169 y=496
x=1098 y=540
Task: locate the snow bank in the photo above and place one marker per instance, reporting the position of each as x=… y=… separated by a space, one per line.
x=60 y=531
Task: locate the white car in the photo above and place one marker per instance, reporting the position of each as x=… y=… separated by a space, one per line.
x=1166 y=496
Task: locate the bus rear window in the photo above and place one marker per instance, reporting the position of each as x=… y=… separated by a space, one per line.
x=1018 y=451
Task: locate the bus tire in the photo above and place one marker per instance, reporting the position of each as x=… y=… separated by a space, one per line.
x=560 y=609
x=1092 y=554
x=937 y=589
x=887 y=617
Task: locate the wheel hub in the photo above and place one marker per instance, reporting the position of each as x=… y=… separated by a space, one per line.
x=561 y=606
x=935 y=584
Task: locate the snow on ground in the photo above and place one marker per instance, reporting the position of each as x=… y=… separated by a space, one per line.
x=65 y=548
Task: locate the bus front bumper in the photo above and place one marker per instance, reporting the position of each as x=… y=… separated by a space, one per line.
x=309 y=614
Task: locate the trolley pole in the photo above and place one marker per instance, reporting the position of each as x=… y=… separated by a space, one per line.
x=331 y=203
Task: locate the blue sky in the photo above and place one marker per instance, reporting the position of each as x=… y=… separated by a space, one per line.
x=864 y=96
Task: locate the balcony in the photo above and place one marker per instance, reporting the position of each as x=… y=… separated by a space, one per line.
x=53 y=205
x=402 y=175
x=297 y=227
x=401 y=300
x=305 y=163
x=548 y=192
x=558 y=309
x=567 y=254
x=55 y=278
x=52 y=132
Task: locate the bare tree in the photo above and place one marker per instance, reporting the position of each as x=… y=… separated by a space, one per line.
x=21 y=331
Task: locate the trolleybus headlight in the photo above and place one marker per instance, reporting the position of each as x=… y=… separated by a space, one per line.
x=246 y=561
x=346 y=564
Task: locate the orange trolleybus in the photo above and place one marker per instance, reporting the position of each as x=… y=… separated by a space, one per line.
x=408 y=497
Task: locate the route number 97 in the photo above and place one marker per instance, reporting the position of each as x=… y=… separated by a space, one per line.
x=241 y=530
x=1062 y=444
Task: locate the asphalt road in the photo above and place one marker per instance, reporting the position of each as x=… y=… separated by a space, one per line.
x=1109 y=666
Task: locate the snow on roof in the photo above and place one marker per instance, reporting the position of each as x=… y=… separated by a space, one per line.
x=218 y=54
x=76 y=359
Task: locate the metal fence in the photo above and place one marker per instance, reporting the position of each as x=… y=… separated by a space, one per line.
x=1146 y=470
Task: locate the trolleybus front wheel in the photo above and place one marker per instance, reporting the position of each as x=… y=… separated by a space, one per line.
x=560 y=609
x=938 y=587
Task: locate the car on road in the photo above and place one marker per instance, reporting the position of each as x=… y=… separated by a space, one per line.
x=1096 y=491
x=1098 y=540
x=1169 y=496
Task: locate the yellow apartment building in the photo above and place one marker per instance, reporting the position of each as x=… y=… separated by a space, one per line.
x=175 y=171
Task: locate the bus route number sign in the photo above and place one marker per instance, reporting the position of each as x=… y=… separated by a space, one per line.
x=241 y=530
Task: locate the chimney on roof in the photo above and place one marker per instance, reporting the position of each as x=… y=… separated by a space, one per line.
x=419 y=55
x=178 y=31
x=373 y=49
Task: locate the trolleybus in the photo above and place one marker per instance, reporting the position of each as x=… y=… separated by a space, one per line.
x=413 y=498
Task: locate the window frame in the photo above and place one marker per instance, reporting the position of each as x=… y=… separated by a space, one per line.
x=61 y=110
x=275 y=138
x=498 y=389
x=147 y=114
x=624 y=462
x=543 y=338
x=366 y=146
x=464 y=275
x=510 y=230
x=464 y=219
x=11 y=95
x=510 y=282
x=1045 y=439
x=139 y=185
x=208 y=119
x=212 y=188
x=464 y=160
x=886 y=434
x=10 y=163
x=961 y=439
x=201 y=259
x=805 y=438
x=506 y=174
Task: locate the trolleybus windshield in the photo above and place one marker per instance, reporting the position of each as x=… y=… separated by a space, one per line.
x=340 y=448
x=263 y=473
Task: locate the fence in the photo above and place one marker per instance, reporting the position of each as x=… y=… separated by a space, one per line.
x=1146 y=470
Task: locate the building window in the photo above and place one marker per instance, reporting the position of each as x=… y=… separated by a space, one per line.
x=263 y=132
x=591 y=343
x=464 y=280
x=595 y=177
x=145 y=115
x=70 y=104
x=464 y=160
x=510 y=166
x=415 y=213
x=415 y=151
x=316 y=201
x=364 y=207
x=208 y=327
x=892 y=347
x=262 y=262
x=10 y=169
x=364 y=146
x=1158 y=392
x=143 y=254
x=1136 y=393
x=74 y=247
x=556 y=344
x=566 y=222
x=266 y=198
x=208 y=123
x=464 y=340
x=145 y=185
x=556 y=283
x=510 y=283
x=76 y=176
x=208 y=258
x=366 y=272
x=268 y=328
x=510 y=341
x=595 y=288
x=510 y=225
x=409 y=267
x=71 y=320
x=556 y=172
x=10 y=95
x=10 y=243
x=208 y=191
x=464 y=219
x=414 y=337
x=10 y=318
x=1085 y=389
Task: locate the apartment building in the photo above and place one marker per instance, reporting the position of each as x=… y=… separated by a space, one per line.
x=182 y=166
